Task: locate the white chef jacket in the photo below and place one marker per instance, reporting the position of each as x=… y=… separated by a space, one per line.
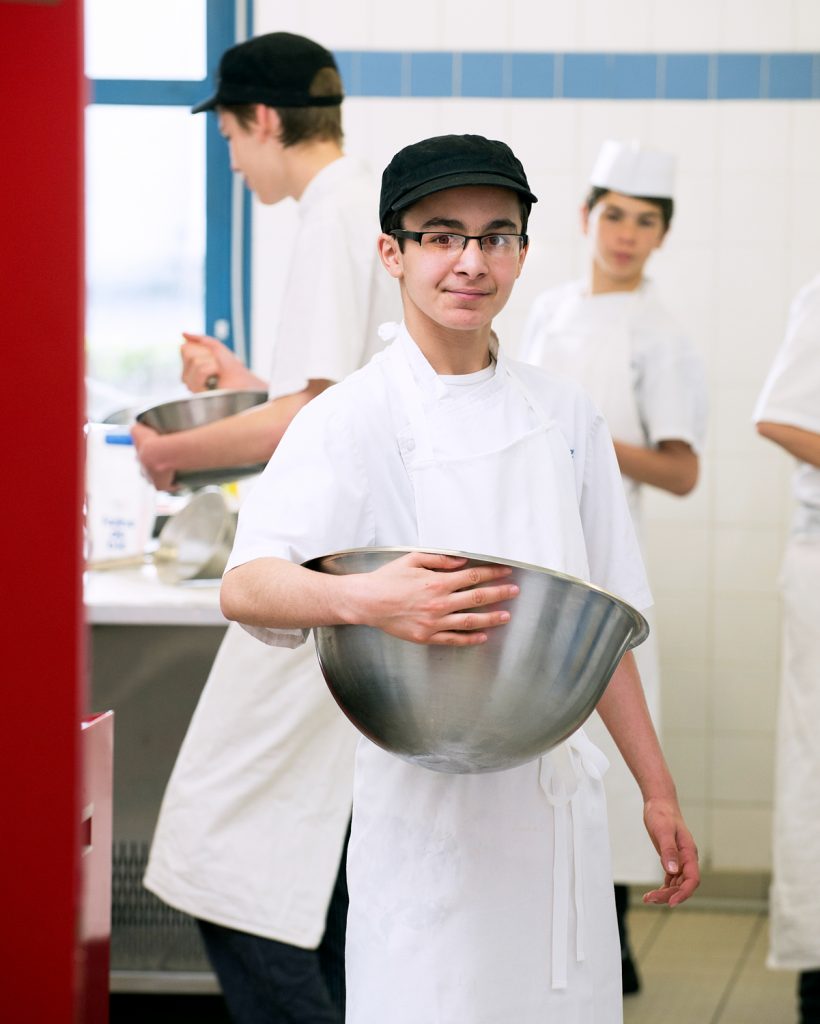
x=666 y=372
x=647 y=379
x=337 y=290
x=254 y=816
x=407 y=912
x=791 y=395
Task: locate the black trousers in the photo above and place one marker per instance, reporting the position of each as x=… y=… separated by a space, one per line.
x=808 y=990
x=269 y=982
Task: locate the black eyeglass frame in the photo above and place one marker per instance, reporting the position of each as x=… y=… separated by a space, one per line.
x=416 y=236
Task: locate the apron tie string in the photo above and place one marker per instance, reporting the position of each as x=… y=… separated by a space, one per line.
x=559 y=779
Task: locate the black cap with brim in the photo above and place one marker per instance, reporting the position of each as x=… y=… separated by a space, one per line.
x=276 y=69
x=450 y=161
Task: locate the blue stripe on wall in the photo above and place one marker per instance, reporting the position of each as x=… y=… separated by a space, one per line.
x=611 y=76
x=498 y=75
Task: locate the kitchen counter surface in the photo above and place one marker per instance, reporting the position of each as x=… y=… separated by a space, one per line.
x=135 y=596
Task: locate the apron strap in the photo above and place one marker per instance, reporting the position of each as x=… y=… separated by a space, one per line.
x=559 y=779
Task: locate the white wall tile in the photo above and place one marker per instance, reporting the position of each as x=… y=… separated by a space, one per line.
x=546 y=134
x=687 y=756
x=483 y=25
x=806 y=24
x=678 y=556
x=390 y=28
x=805 y=147
x=754 y=137
x=742 y=767
x=685 y=695
x=688 y=129
x=756 y=25
x=754 y=207
x=377 y=127
x=804 y=206
x=610 y=27
x=743 y=698
x=684 y=623
x=476 y=116
x=746 y=559
x=544 y=25
x=740 y=838
x=746 y=631
x=693 y=26
x=745 y=497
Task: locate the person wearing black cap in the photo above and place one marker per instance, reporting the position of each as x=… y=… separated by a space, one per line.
x=252 y=830
x=473 y=897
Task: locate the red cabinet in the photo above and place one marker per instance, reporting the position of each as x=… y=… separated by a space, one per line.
x=94 y=918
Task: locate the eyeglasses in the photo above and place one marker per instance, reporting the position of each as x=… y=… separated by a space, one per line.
x=496 y=245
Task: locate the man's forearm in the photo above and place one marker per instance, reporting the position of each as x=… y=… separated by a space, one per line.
x=802 y=444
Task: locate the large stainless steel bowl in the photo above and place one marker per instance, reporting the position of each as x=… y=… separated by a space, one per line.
x=195 y=411
x=486 y=707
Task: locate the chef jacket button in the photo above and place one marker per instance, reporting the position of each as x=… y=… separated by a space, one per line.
x=410 y=445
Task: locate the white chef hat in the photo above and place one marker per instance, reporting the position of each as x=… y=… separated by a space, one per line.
x=628 y=168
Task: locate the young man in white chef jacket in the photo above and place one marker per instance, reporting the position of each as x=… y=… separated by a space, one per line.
x=252 y=830
x=463 y=907
x=788 y=413
x=612 y=333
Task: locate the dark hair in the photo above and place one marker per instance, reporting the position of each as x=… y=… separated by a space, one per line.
x=394 y=219
x=666 y=206
x=302 y=124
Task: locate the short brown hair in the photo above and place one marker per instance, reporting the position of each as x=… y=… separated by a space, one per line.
x=303 y=124
x=666 y=206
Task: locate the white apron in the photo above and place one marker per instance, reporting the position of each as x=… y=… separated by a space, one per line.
x=794 y=902
x=479 y=899
x=255 y=813
x=594 y=347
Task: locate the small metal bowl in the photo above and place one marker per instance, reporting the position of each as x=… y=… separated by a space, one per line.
x=195 y=411
x=486 y=707
x=195 y=542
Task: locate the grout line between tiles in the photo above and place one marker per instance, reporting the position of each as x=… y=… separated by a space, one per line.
x=737 y=970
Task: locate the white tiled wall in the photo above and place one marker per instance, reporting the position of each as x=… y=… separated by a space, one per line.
x=746 y=235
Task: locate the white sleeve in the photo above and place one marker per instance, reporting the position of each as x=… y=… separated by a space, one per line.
x=671 y=389
x=791 y=394
x=326 y=309
x=613 y=552
x=312 y=499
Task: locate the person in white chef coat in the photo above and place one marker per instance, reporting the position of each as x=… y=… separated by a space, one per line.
x=612 y=333
x=252 y=830
x=788 y=413
x=487 y=897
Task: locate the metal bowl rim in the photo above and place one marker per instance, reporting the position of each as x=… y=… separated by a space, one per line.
x=206 y=395
x=639 y=634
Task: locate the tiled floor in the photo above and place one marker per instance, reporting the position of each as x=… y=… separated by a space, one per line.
x=704 y=967
x=697 y=966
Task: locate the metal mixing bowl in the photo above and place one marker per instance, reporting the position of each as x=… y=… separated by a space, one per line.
x=195 y=542
x=487 y=707
x=195 y=411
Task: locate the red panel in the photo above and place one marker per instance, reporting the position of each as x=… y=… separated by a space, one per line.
x=96 y=821
x=41 y=297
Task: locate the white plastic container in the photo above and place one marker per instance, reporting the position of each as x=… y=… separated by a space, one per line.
x=120 y=502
